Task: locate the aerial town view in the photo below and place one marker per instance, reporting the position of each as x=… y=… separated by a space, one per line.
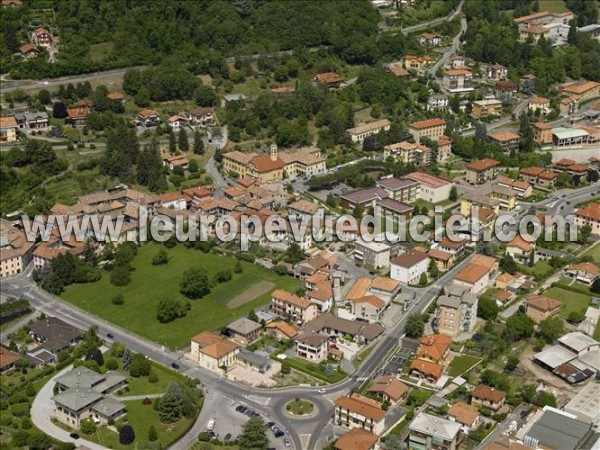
x=300 y=224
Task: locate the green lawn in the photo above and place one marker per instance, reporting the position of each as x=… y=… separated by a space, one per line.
x=552 y=5
x=597 y=332
x=151 y=283
x=300 y=407
x=540 y=270
x=461 y=364
x=594 y=252
x=314 y=370
x=571 y=301
x=356 y=362
x=100 y=51
x=141 y=385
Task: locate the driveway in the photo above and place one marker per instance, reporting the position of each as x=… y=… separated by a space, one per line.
x=42 y=410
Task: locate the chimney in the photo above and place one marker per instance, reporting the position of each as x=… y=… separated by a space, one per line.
x=273 y=148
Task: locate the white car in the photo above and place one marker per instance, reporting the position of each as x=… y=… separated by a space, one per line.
x=321 y=391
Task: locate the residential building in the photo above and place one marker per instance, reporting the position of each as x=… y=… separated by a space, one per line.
x=173 y=200
x=538 y=176
x=409 y=153
x=291 y=307
x=521 y=250
x=397 y=69
x=544 y=18
x=244 y=331
x=434 y=347
x=584 y=272
x=333 y=326
x=403 y=190
x=329 y=79
x=431 y=128
x=212 y=352
x=567 y=106
x=8 y=359
x=356 y=439
x=482 y=171
x=455 y=314
x=8 y=129
x=116 y=97
x=457 y=61
x=302 y=210
x=442 y=259
x=488 y=397
x=16 y=252
x=281 y=330
x=409 y=266
x=359 y=133
x=486 y=108
x=466 y=415
x=475 y=277
x=455 y=247
x=533 y=33
x=505 y=91
x=426 y=370
x=430 y=39
x=372 y=254
x=429 y=432
x=508 y=140
x=358 y=411
x=437 y=102
x=389 y=388
x=540 y=104
x=571 y=167
x=367 y=198
x=580 y=91
x=368 y=308
x=176 y=161
x=542 y=132
x=522 y=188
x=497 y=72
x=147 y=118
x=312 y=347
x=540 y=307
x=201 y=116
x=33 y=120
x=305 y=162
x=589 y=215
x=457 y=80
x=417 y=63
x=432 y=189
x=41 y=37
x=54 y=335
x=178 y=122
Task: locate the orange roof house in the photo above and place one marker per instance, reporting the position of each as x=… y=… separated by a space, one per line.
x=464 y=413
x=389 y=387
x=356 y=439
x=426 y=369
x=433 y=347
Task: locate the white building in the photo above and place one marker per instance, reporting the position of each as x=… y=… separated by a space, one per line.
x=408 y=267
x=433 y=189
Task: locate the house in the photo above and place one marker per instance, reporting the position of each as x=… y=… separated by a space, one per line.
x=33 y=120
x=173 y=200
x=473 y=276
x=201 y=116
x=334 y=326
x=358 y=411
x=542 y=132
x=585 y=272
x=8 y=359
x=453 y=246
x=8 y=129
x=527 y=83
x=482 y=171
x=508 y=140
x=291 y=307
x=505 y=91
x=368 y=308
x=589 y=215
x=12 y=3
x=430 y=39
x=456 y=311
x=426 y=370
x=488 y=397
x=502 y=297
x=283 y=92
x=580 y=91
x=147 y=118
x=466 y=415
x=457 y=61
x=77 y=116
x=567 y=106
x=431 y=128
x=178 y=122
x=329 y=79
x=16 y=252
x=27 y=51
x=416 y=62
x=356 y=439
x=443 y=260
x=83 y=394
x=281 y=330
x=41 y=37
x=212 y=352
x=117 y=97
x=398 y=70
x=432 y=189
x=54 y=335
x=400 y=189
x=533 y=33
x=312 y=347
x=302 y=209
x=360 y=133
x=540 y=104
x=540 y=307
x=428 y=432
x=244 y=331
x=437 y=102
x=497 y=72
x=433 y=348
x=487 y=107
x=538 y=176
x=522 y=188
x=389 y=389
x=520 y=249
x=176 y=161
x=457 y=81
x=409 y=266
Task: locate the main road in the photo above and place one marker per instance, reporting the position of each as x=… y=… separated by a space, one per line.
x=303 y=433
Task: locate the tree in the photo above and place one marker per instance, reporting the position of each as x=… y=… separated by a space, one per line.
x=160 y=258
x=126 y=435
x=423 y=279
x=205 y=96
x=172 y=141
x=238 y=267
x=152 y=434
x=526 y=142
x=453 y=194
x=415 y=326
x=508 y=264
x=111 y=364
x=294 y=253
x=170 y=405
x=393 y=442
x=120 y=275
x=358 y=212
x=519 y=326
x=254 y=435
x=87 y=426
x=583 y=233
x=59 y=110
x=434 y=271
x=551 y=328
x=140 y=366
x=198 y=147
x=95 y=355
x=182 y=141
x=38 y=441
x=169 y=309
x=487 y=308
x=511 y=363
x=596 y=286
x=195 y=283
x=44 y=97
x=544 y=398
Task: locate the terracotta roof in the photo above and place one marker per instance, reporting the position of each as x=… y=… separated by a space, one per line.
x=505 y=277
x=390 y=386
x=542 y=302
x=289 y=330
x=359 y=288
x=471 y=273
x=8 y=122
x=535 y=29
x=26 y=48
x=427 y=368
x=382 y=123
x=428 y=123
x=7 y=358
x=483 y=164
x=533 y=171
x=447 y=242
x=489 y=393
x=502 y=295
x=591 y=211
x=398 y=70
x=409 y=258
x=429 y=36
x=283 y=89
x=264 y=163
x=483 y=260
x=521 y=243
x=41 y=31
x=356 y=439
x=588 y=267
x=313 y=339
x=439 y=255
x=529 y=17
x=433 y=346
x=361 y=405
x=539 y=100
x=328 y=78
x=464 y=413
x=504 y=136
x=580 y=88
x=385 y=284
x=288 y=297
x=506 y=86
x=115 y=96
x=214 y=345
x=77 y=113
x=371 y=299
x=144 y=113
x=168 y=197
x=304 y=206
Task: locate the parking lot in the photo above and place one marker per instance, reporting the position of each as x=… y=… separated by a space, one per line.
x=397 y=361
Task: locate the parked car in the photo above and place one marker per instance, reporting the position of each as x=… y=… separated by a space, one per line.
x=175 y=366
x=286 y=442
x=227 y=437
x=110 y=336
x=279 y=434
x=321 y=391
x=74 y=436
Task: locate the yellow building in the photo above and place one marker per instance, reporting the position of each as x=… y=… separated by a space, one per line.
x=483 y=108
x=212 y=352
x=8 y=129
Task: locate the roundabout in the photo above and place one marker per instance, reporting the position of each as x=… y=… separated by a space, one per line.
x=300 y=408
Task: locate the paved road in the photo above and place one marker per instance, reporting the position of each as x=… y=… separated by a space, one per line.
x=210 y=167
x=452 y=50
x=434 y=22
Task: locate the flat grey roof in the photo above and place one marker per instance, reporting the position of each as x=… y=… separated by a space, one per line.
x=111 y=379
x=243 y=326
x=108 y=407
x=555 y=430
x=80 y=377
x=435 y=426
x=253 y=358
x=578 y=341
x=77 y=398
x=586 y=404
x=555 y=356
x=449 y=302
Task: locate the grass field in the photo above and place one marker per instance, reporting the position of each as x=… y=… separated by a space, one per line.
x=461 y=364
x=594 y=252
x=300 y=407
x=552 y=5
x=151 y=283
x=100 y=51
x=571 y=301
x=141 y=385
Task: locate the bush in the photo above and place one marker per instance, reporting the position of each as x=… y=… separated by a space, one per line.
x=152 y=378
x=126 y=435
x=118 y=300
x=140 y=366
x=88 y=426
x=146 y=401
x=223 y=276
x=112 y=364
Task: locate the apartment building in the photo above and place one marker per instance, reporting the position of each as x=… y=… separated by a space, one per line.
x=457 y=80
x=429 y=432
x=542 y=133
x=431 y=128
x=15 y=250
x=358 y=411
x=486 y=108
x=581 y=90
x=538 y=176
x=373 y=254
x=589 y=215
x=404 y=190
x=540 y=307
x=291 y=307
x=540 y=104
x=8 y=129
x=360 y=133
x=409 y=266
x=456 y=311
x=312 y=347
x=482 y=171
x=212 y=352
x=508 y=140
